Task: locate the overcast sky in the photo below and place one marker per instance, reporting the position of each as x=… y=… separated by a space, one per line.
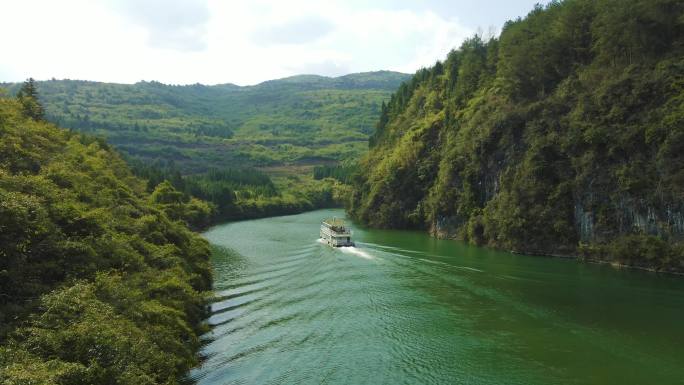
x=229 y=41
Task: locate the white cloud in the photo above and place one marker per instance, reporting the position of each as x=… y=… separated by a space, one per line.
x=300 y=31
x=174 y=24
x=217 y=41
x=325 y=68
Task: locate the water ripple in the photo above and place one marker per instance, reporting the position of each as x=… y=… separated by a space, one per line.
x=405 y=309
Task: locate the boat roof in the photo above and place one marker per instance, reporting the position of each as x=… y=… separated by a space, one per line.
x=335 y=222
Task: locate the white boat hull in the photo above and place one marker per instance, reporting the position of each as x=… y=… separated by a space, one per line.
x=335 y=239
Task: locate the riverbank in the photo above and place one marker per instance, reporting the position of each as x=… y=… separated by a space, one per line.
x=585 y=253
x=581 y=258
x=256 y=212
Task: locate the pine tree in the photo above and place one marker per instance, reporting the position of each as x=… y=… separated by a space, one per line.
x=28 y=96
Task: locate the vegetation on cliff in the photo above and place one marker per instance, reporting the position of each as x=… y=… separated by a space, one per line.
x=101 y=282
x=565 y=135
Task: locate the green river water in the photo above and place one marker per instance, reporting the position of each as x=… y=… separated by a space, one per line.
x=404 y=308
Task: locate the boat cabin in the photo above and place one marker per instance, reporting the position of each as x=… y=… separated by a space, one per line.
x=335 y=233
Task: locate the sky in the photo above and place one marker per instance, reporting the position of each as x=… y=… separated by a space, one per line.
x=230 y=41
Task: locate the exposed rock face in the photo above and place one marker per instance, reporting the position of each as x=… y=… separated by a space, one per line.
x=629 y=216
x=446 y=228
x=584 y=222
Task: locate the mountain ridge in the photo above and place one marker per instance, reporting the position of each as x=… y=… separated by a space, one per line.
x=286 y=79
x=197 y=127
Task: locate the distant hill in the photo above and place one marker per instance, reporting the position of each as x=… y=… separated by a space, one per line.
x=304 y=119
x=387 y=80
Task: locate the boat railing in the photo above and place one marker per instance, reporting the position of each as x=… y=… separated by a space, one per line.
x=340 y=231
x=335 y=224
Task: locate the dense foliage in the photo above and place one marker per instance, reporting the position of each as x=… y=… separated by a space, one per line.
x=565 y=135
x=340 y=172
x=297 y=120
x=239 y=193
x=100 y=281
x=243 y=194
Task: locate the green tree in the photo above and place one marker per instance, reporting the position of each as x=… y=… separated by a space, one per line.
x=28 y=96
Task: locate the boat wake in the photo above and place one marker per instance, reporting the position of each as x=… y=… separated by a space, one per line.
x=355 y=251
x=348 y=250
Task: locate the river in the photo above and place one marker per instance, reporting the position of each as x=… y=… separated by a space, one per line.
x=404 y=308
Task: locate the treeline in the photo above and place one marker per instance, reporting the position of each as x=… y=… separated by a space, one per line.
x=101 y=282
x=247 y=179
x=562 y=136
x=147 y=122
x=234 y=194
x=339 y=172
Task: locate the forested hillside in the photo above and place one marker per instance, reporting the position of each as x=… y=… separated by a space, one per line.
x=250 y=151
x=100 y=281
x=303 y=119
x=565 y=135
x=243 y=193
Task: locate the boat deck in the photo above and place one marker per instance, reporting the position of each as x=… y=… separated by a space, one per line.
x=335 y=233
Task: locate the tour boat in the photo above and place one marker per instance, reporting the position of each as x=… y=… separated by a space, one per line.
x=335 y=233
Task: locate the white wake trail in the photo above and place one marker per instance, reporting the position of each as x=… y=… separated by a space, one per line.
x=349 y=250
x=355 y=251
